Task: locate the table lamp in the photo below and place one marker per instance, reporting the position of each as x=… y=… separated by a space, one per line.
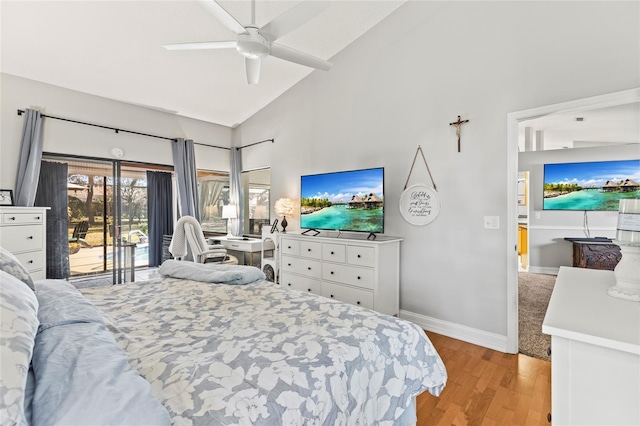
x=627 y=271
x=229 y=212
x=284 y=207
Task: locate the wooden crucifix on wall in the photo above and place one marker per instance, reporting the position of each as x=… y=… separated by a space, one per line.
x=458 y=125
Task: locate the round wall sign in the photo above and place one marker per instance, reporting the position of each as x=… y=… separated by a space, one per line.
x=419 y=204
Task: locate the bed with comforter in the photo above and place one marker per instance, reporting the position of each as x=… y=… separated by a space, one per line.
x=239 y=351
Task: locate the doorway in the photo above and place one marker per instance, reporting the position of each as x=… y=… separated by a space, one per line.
x=513 y=123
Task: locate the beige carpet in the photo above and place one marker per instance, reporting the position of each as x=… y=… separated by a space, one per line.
x=534 y=292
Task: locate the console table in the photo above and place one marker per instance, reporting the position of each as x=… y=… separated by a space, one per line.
x=597 y=253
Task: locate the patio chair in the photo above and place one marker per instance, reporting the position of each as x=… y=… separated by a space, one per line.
x=79 y=233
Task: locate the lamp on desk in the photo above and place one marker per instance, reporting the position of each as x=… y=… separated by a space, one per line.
x=284 y=207
x=229 y=212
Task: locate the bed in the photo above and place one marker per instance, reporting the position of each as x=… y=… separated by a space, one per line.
x=240 y=352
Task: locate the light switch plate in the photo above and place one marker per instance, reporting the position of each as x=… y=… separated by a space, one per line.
x=491 y=222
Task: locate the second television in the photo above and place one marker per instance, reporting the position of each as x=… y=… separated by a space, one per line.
x=343 y=201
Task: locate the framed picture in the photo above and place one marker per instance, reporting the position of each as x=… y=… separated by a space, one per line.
x=6 y=197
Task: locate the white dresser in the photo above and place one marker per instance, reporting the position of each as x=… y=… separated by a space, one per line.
x=357 y=271
x=23 y=232
x=595 y=351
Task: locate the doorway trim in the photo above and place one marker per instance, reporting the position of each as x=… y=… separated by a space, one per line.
x=513 y=121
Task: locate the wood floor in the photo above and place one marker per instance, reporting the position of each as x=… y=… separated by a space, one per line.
x=487 y=387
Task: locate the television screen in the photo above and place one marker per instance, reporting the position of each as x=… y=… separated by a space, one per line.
x=597 y=185
x=345 y=201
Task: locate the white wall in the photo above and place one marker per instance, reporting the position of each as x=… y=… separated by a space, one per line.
x=401 y=84
x=547 y=248
x=69 y=138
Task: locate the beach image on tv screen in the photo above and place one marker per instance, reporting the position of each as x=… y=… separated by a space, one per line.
x=347 y=201
x=597 y=185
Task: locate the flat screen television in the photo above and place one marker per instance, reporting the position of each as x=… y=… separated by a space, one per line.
x=343 y=201
x=594 y=185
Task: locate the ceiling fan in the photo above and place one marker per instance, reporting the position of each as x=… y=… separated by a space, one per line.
x=255 y=43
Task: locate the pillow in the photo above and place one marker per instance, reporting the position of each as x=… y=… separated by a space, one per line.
x=18 y=327
x=11 y=265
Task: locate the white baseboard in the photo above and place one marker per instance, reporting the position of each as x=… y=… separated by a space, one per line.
x=544 y=270
x=461 y=332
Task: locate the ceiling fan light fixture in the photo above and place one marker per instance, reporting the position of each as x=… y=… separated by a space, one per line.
x=252 y=45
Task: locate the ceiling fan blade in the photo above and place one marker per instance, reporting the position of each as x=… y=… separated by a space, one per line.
x=223 y=16
x=292 y=19
x=253 y=70
x=204 y=45
x=292 y=55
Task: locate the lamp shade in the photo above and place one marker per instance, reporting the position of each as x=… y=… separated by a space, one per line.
x=284 y=207
x=229 y=211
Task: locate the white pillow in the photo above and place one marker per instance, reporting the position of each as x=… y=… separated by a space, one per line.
x=18 y=327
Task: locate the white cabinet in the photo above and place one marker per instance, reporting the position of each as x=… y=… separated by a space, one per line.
x=23 y=232
x=357 y=271
x=595 y=351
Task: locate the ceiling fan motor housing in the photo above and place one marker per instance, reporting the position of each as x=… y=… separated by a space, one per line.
x=252 y=45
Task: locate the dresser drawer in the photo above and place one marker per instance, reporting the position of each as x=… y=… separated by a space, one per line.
x=290 y=247
x=21 y=218
x=310 y=249
x=350 y=295
x=361 y=256
x=21 y=238
x=360 y=277
x=33 y=261
x=334 y=252
x=297 y=282
x=307 y=267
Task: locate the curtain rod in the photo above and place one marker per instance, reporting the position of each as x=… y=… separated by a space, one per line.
x=20 y=112
x=255 y=143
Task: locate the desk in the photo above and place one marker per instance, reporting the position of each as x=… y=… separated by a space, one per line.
x=595 y=254
x=251 y=246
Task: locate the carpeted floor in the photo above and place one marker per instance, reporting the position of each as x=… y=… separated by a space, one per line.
x=534 y=292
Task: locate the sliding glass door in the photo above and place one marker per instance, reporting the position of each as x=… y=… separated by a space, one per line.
x=108 y=224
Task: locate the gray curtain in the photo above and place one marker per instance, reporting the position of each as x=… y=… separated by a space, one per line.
x=184 y=161
x=29 y=160
x=52 y=192
x=159 y=212
x=209 y=193
x=235 y=191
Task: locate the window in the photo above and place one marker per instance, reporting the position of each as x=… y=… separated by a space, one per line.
x=213 y=193
x=256 y=188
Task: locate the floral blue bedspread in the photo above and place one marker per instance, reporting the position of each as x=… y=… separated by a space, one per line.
x=257 y=354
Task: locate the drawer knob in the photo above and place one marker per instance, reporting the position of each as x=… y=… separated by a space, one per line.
x=331 y=272
x=308 y=289
x=331 y=296
x=359 y=256
x=30 y=237
x=358 y=302
x=30 y=261
x=308 y=249
x=289 y=284
x=37 y=217
x=358 y=277
x=331 y=252
x=288 y=264
x=309 y=268
x=288 y=246
x=12 y=218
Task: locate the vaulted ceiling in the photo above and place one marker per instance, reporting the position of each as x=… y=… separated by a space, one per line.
x=114 y=49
